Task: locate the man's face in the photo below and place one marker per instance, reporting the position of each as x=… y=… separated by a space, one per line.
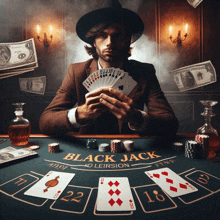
x=112 y=43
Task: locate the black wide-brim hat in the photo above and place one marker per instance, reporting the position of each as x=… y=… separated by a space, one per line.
x=113 y=13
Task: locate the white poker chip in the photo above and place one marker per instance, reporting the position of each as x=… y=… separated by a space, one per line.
x=34 y=147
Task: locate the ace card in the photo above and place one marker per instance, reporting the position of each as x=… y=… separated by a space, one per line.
x=51 y=185
x=125 y=84
x=114 y=194
x=170 y=182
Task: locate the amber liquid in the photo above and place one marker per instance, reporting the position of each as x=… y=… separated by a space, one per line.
x=19 y=134
x=213 y=143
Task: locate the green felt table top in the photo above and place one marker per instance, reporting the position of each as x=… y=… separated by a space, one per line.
x=90 y=164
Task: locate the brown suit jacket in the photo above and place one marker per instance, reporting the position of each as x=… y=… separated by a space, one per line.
x=160 y=117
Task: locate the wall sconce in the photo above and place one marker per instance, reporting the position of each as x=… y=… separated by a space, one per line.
x=178 y=40
x=45 y=41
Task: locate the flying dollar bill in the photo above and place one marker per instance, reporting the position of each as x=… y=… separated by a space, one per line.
x=35 y=85
x=194 y=3
x=194 y=76
x=18 y=54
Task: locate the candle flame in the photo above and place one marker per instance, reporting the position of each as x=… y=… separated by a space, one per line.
x=38 y=29
x=51 y=29
x=186 y=28
x=170 y=29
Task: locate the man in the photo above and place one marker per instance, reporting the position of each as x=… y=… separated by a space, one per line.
x=110 y=31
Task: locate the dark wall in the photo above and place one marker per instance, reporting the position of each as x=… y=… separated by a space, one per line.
x=19 y=18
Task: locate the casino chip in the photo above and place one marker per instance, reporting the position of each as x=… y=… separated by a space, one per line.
x=115 y=146
x=91 y=143
x=177 y=146
x=128 y=145
x=104 y=147
x=54 y=148
x=34 y=147
x=192 y=149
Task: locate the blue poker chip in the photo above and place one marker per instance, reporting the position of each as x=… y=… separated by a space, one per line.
x=92 y=143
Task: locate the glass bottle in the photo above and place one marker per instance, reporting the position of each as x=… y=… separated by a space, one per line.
x=207 y=128
x=19 y=128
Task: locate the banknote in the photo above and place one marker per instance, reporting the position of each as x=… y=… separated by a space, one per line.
x=9 y=153
x=35 y=85
x=194 y=3
x=18 y=54
x=194 y=76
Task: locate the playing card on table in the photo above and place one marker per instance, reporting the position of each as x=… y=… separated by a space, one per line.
x=51 y=185
x=170 y=182
x=114 y=194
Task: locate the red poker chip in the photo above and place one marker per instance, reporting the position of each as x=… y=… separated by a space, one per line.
x=53 y=148
x=115 y=146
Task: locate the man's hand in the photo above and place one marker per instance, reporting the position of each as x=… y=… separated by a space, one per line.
x=121 y=106
x=91 y=109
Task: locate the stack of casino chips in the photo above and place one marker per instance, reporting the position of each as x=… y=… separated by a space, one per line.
x=104 y=147
x=115 y=146
x=128 y=145
x=192 y=149
x=203 y=140
x=53 y=147
x=91 y=143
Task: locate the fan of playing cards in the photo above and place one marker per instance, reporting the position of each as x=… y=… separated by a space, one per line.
x=110 y=77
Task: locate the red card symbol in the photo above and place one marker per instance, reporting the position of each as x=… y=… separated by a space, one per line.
x=173 y=189
x=111 y=202
x=117 y=192
x=131 y=204
x=116 y=183
x=102 y=181
x=119 y=202
x=169 y=180
x=183 y=186
x=110 y=183
x=156 y=175
x=165 y=173
x=59 y=192
x=111 y=192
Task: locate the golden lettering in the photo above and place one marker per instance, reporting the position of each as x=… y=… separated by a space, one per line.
x=133 y=157
x=152 y=155
x=109 y=157
x=96 y=158
x=76 y=158
x=89 y=158
x=69 y=156
x=125 y=158
x=142 y=158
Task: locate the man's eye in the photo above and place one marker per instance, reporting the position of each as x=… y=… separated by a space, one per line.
x=101 y=35
x=120 y=36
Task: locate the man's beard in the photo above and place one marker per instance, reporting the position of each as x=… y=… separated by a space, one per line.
x=114 y=57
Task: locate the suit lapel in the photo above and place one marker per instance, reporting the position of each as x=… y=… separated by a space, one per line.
x=92 y=67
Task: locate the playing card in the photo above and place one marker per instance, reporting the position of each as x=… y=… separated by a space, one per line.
x=114 y=194
x=51 y=185
x=125 y=84
x=110 y=77
x=116 y=75
x=170 y=182
x=88 y=84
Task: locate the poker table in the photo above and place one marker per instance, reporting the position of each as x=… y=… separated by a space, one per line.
x=79 y=198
